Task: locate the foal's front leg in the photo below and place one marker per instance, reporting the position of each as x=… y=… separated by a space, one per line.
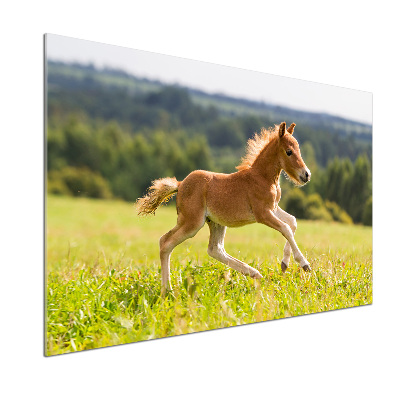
x=267 y=217
x=291 y=221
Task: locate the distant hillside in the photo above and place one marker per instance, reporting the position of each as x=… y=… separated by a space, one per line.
x=323 y=121
x=87 y=76
x=73 y=76
x=144 y=106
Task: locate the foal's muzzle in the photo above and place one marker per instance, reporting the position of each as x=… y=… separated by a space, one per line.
x=305 y=176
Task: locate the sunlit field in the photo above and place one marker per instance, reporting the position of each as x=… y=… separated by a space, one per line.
x=103 y=275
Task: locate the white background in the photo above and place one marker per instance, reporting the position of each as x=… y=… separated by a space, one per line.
x=344 y=354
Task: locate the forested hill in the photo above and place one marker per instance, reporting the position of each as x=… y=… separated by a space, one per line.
x=142 y=104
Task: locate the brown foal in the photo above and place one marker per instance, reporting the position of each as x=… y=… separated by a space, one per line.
x=230 y=200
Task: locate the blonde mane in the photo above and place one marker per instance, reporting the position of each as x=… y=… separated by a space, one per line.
x=256 y=145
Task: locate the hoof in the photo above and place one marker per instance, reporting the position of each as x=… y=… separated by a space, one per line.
x=256 y=275
x=306 y=268
x=283 y=266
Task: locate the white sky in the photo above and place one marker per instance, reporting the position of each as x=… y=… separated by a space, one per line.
x=214 y=78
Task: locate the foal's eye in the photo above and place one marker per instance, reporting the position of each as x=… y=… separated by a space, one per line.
x=289 y=152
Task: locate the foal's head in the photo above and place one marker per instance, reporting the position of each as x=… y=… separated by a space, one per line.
x=290 y=157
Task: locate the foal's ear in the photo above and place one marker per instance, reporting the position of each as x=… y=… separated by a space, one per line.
x=282 y=129
x=291 y=128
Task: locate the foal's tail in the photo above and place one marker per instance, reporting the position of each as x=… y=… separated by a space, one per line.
x=161 y=191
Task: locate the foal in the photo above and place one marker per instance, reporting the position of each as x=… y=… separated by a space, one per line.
x=230 y=200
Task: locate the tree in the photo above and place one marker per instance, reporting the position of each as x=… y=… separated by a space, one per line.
x=296 y=203
x=225 y=132
x=78 y=182
x=367 y=214
x=361 y=188
x=315 y=208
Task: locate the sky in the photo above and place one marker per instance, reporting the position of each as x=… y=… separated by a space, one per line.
x=213 y=78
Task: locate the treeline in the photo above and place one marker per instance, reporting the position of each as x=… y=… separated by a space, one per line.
x=99 y=160
x=171 y=108
x=90 y=159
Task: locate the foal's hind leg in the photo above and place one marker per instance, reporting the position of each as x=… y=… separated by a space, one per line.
x=185 y=229
x=291 y=221
x=217 y=251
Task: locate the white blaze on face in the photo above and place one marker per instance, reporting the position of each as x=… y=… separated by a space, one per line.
x=305 y=175
x=309 y=173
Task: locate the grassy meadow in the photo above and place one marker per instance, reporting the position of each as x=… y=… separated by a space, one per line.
x=103 y=275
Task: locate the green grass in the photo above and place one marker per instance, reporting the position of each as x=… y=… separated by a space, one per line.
x=103 y=275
